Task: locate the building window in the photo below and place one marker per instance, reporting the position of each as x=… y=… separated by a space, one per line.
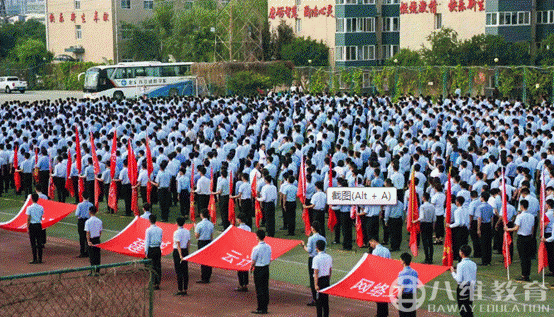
x=391 y=24
x=438 y=21
x=351 y=53
x=366 y=53
x=298 y=26
x=351 y=1
x=340 y=25
x=77 y=4
x=78 y=32
x=148 y=4
x=513 y=18
x=125 y=32
x=391 y=2
x=126 y=4
x=351 y=25
x=545 y=17
x=366 y=25
x=492 y=19
x=340 y=1
x=368 y=1
x=389 y=51
x=366 y=80
x=339 y=53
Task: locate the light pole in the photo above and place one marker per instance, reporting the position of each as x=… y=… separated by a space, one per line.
x=310 y=75
x=395 y=77
x=496 y=72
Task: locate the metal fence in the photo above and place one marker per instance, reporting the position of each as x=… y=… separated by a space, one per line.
x=121 y=289
x=527 y=83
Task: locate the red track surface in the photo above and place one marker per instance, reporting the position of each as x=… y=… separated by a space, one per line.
x=214 y=299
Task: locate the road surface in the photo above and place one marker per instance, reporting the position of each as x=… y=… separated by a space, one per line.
x=34 y=95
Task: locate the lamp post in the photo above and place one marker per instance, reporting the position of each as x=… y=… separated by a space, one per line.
x=395 y=77
x=496 y=72
x=310 y=70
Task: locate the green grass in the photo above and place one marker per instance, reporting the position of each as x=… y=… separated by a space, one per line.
x=292 y=267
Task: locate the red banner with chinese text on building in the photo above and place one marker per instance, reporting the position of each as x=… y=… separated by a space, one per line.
x=232 y=249
x=374 y=279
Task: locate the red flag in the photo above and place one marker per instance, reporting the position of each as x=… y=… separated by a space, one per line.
x=413 y=214
x=359 y=230
x=96 y=171
x=16 y=175
x=507 y=236
x=149 y=169
x=447 y=255
x=211 y=204
x=81 y=183
x=257 y=207
x=132 y=172
x=231 y=215
x=332 y=222
x=301 y=193
x=542 y=256
x=191 y=209
x=112 y=194
x=68 y=180
x=35 y=170
x=51 y=186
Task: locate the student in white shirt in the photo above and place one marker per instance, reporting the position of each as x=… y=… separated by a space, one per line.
x=181 y=244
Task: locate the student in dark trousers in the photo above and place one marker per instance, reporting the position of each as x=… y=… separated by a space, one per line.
x=34 y=226
x=524 y=226
x=268 y=198
x=261 y=257
x=244 y=194
x=427 y=218
x=163 y=180
x=465 y=275
x=485 y=214
x=407 y=283
x=222 y=192
x=322 y=267
x=82 y=213
x=93 y=228
x=242 y=275
x=181 y=244
x=290 y=205
x=310 y=247
x=203 y=232
x=123 y=179
x=153 y=241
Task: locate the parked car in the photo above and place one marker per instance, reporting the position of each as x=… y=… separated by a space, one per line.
x=63 y=58
x=8 y=84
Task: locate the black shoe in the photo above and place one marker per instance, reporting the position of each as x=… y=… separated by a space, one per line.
x=283 y=228
x=180 y=293
x=82 y=256
x=202 y=282
x=312 y=303
x=259 y=312
x=156 y=287
x=33 y=262
x=523 y=279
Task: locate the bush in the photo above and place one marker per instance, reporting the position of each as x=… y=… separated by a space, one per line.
x=248 y=83
x=280 y=74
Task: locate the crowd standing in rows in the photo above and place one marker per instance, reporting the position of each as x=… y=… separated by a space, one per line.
x=345 y=141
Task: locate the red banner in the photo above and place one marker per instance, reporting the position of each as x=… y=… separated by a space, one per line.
x=507 y=237
x=130 y=241
x=413 y=214
x=16 y=175
x=374 y=279
x=232 y=249
x=149 y=169
x=301 y=193
x=35 y=170
x=191 y=208
x=96 y=171
x=231 y=214
x=78 y=159
x=542 y=256
x=211 y=204
x=257 y=207
x=112 y=193
x=68 y=179
x=53 y=212
x=332 y=222
x=132 y=172
x=447 y=254
x=51 y=186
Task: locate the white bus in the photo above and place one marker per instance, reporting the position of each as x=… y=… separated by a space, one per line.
x=135 y=79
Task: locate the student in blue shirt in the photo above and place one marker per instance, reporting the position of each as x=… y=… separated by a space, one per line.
x=82 y=214
x=466 y=276
x=290 y=206
x=261 y=257
x=34 y=226
x=203 y=232
x=407 y=283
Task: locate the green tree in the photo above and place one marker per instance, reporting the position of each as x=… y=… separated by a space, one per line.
x=32 y=54
x=546 y=52
x=301 y=50
x=247 y=83
x=443 y=47
x=280 y=74
x=282 y=35
x=143 y=44
x=406 y=57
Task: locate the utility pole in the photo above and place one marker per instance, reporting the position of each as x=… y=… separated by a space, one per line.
x=3 y=13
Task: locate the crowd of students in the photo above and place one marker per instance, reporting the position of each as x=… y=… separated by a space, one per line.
x=354 y=140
